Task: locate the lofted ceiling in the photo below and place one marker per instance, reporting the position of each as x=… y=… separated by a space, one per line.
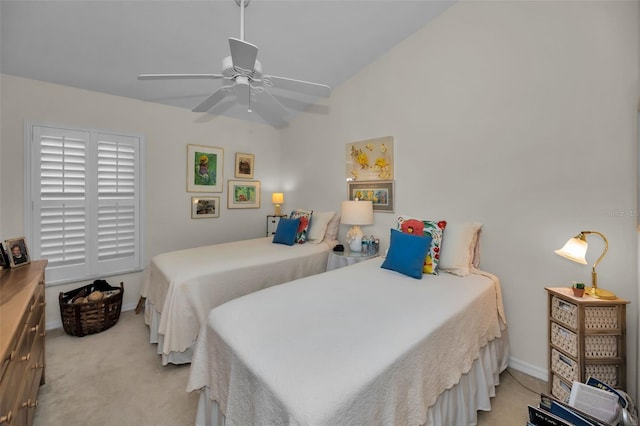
x=103 y=45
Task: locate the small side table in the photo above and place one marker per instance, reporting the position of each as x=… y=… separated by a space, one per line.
x=272 y=223
x=339 y=259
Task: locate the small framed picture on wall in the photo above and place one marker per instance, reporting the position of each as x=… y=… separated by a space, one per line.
x=17 y=251
x=204 y=207
x=243 y=194
x=244 y=165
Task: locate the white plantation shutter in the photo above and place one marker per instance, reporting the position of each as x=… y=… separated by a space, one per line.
x=117 y=196
x=86 y=203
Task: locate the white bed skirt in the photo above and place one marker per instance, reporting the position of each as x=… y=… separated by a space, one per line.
x=457 y=406
x=152 y=317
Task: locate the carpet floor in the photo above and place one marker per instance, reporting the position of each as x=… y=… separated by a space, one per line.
x=116 y=378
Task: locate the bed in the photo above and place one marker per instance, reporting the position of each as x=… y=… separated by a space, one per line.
x=181 y=287
x=357 y=345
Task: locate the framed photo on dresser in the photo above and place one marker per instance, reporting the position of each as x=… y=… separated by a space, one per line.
x=17 y=251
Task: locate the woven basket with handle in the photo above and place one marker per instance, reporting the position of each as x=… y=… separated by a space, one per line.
x=80 y=319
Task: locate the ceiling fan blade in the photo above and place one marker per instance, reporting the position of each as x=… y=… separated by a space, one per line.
x=267 y=115
x=214 y=99
x=179 y=76
x=269 y=101
x=307 y=87
x=243 y=54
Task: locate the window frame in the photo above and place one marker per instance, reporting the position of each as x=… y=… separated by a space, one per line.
x=92 y=268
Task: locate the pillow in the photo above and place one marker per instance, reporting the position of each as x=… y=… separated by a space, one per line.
x=318 y=226
x=406 y=253
x=286 y=231
x=305 y=218
x=459 y=247
x=431 y=228
x=332 y=229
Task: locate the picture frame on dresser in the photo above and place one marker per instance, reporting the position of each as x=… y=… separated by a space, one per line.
x=4 y=259
x=17 y=252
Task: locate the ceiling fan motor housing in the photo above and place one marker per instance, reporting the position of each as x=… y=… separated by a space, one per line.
x=228 y=70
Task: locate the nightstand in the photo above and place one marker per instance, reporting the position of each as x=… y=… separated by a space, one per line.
x=272 y=223
x=587 y=337
x=339 y=259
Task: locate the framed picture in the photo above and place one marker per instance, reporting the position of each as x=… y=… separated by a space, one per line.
x=244 y=165
x=203 y=207
x=204 y=168
x=4 y=260
x=243 y=194
x=17 y=251
x=370 y=160
x=381 y=193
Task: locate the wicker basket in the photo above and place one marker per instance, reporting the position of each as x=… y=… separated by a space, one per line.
x=80 y=319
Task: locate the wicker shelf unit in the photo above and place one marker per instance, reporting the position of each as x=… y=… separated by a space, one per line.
x=587 y=337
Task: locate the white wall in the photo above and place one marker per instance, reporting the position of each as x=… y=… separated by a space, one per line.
x=168 y=130
x=521 y=115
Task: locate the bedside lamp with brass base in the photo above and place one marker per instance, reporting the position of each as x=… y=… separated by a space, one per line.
x=575 y=249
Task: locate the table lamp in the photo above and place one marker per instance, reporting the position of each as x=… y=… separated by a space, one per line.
x=277 y=198
x=356 y=213
x=575 y=249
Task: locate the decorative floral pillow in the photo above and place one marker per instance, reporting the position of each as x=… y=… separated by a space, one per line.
x=303 y=228
x=431 y=228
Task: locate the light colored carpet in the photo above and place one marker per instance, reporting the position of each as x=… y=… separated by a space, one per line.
x=116 y=378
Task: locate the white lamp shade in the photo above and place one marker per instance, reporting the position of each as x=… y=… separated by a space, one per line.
x=277 y=198
x=357 y=213
x=575 y=249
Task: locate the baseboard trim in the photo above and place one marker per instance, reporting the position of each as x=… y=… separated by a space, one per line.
x=530 y=369
x=52 y=325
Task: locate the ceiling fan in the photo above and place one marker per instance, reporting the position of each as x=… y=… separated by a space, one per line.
x=242 y=75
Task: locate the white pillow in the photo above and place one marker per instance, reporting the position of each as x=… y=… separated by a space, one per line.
x=458 y=247
x=332 y=229
x=319 y=223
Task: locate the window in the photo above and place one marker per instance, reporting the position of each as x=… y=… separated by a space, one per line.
x=85 y=195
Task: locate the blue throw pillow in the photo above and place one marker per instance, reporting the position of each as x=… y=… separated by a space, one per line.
x=406 y=253
x=286 y=231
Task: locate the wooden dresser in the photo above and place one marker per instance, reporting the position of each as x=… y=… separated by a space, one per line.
x=587 y=337
x=22 y=331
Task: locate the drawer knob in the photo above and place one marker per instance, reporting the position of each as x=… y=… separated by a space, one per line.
x=7 y=418
x=44 y=333
x=35 y=329
x=36 y=366
x=12 y=356
x=30 y=403
x=27 y=357
x=43 y=303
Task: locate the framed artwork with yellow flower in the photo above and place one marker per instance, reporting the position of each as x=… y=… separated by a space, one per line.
x=371 y=159
x=380 y=193
x=204 y=168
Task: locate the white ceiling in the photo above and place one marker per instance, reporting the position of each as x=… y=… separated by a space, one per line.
x=103 y=45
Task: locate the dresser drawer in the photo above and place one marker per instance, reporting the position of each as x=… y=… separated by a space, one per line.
x=564 y=339
x=560 y=389
x=564 y=366
x=21 y=342
x=564 y=311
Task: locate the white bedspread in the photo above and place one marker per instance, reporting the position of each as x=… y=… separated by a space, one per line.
x=358 y=345
x=184 y=285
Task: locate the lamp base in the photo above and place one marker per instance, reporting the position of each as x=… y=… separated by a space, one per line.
x=356 y=244
x=600 y=293
x=277 y=212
